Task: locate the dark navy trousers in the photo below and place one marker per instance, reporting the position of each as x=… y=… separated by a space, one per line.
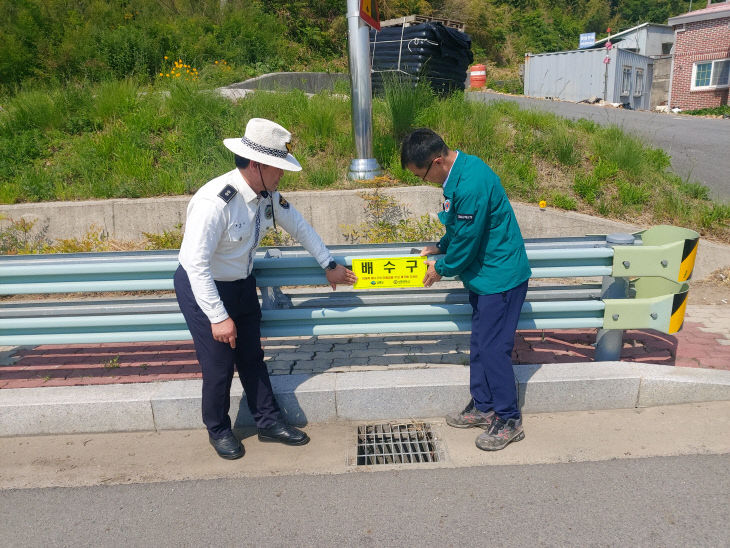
x=217 y=359
x=493 y=326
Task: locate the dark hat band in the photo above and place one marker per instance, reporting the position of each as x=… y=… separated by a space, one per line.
x=263 y=149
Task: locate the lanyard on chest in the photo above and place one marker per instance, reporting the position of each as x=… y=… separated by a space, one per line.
x=266 y=194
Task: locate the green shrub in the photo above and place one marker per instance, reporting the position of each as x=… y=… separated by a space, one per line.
x=169 y=239
x=605 y=170
x=21 y=236
x=626 y=152
x=387 y=221
x=657 y=158
x=323 y=175
x=722 y=110
x=563 y=201
x=563 y=147
x=632 y=194
x=405 y=101
x=587 y=187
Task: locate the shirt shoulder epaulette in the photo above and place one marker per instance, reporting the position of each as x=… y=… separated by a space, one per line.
x=227 y=193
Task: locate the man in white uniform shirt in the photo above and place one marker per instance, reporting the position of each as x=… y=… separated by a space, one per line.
x=226 y=220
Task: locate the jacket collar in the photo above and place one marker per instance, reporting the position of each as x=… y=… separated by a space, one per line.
x=238 y=181
x=455 y=173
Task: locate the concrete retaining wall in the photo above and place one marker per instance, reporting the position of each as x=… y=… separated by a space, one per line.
x=328 y=211
x=309 y=82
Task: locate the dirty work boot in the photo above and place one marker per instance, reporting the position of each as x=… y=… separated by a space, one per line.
x=500 y=434
x=470 y=417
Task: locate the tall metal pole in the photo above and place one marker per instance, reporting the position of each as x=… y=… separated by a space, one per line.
x=363 y=166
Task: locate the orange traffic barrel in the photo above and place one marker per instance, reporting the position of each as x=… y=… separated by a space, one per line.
x=478 y=76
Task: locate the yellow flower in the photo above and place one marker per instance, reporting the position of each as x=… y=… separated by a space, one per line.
x=165 y=56
x=160 y=74
x=168 y=74
x=543 y=204
x=216 y=62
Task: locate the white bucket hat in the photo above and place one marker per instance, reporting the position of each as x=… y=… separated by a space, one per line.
x=266 y=142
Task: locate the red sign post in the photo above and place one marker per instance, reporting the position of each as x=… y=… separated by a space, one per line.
x=370 y=13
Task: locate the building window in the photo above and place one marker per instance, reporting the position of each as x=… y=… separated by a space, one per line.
x=711 y=74
x=639 y=84
x=626 y=81
x=667 y=48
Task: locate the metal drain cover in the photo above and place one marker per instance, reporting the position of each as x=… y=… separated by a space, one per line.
x=396 y=444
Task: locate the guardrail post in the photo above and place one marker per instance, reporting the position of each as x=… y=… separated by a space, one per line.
x=610 y=341
x=272 y=297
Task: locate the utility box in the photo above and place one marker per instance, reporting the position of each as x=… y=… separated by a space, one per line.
x=616 y=76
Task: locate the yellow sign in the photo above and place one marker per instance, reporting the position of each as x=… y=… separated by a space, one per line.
x=389 y=272
x=370 y=13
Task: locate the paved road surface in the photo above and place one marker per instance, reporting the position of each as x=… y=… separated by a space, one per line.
x=699 y=147
x=663 y=501
x=626 y=477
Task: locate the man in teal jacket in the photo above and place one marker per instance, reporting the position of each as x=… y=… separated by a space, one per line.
x=483 y=246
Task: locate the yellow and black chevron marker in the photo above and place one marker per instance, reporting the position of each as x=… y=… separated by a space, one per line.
x=689 y=254
x=679 y=305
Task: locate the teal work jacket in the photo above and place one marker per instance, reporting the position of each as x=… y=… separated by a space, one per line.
x=483 y=244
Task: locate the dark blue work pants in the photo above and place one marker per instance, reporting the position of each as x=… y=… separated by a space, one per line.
x=493 y=326
x=217 y=359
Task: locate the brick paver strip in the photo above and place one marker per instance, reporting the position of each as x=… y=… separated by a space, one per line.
x=703 y=342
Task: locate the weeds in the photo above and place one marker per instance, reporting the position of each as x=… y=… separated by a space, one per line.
x=276 y=238
x=405 y=101
x=587 y=187
x=722 y=110
x=112 y=363
x=18 y=237
x=169 y=239
x=563 y=201
x=388 y=221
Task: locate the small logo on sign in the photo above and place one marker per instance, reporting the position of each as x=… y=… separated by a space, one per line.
x=447 y=205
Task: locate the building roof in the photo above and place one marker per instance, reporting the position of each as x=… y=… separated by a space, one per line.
x=621 y=35
x=713 y=11
x=592 y=51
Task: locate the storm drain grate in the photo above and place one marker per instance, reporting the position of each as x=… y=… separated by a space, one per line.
x=396 y=444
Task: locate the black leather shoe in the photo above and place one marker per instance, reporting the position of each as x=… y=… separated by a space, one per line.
x=283 y=433
x=227 y=447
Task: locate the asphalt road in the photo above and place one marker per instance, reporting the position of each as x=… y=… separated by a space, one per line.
x=662 y=501
x=699 y=147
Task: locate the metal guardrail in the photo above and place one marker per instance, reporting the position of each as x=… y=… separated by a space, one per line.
x=657 y=305
x=139 y=271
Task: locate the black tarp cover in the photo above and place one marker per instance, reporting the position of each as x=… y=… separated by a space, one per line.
x=441 y=54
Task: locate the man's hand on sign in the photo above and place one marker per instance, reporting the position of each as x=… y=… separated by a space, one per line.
x=225 y=332
x=340 y=275
x=431 y=274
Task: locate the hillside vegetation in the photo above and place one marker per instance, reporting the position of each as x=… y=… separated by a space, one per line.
x=56 y=41
x=104 y=99
x=109 y=140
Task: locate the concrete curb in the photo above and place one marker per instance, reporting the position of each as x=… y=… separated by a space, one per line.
x=362 y=395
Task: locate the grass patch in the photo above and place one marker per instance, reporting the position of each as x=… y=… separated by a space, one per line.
x=563 y=201
x=722 y=110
